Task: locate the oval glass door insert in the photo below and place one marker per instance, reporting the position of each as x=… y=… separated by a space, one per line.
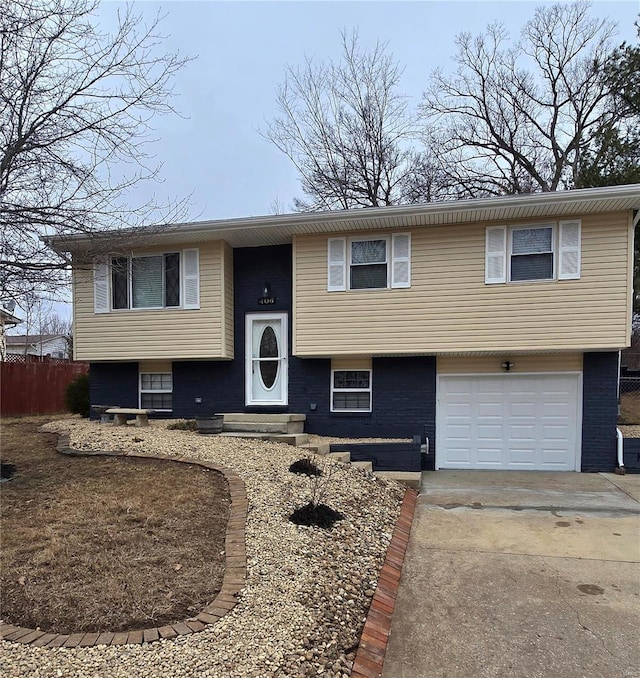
x=268 y=349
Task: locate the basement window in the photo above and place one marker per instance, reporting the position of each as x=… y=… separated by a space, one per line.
x=351 y=391
x=156 y=391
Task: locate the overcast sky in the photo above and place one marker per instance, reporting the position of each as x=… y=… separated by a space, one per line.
x=215 y=152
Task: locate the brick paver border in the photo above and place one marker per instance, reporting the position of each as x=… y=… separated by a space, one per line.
x=234 y=579
x=375 y=635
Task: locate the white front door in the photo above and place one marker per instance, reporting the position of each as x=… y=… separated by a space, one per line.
x=266 y=359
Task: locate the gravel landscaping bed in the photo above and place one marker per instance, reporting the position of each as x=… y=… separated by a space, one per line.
x=308 y=590
x=630 y=431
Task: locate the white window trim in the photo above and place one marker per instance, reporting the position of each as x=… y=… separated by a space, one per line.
x=387 y=261
x=352 y=390
x=129 y=258
x=555 y=231
x=562 y=253
x=339 y=268
x=141 y=390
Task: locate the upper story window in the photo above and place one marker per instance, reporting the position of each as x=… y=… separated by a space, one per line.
x=531 y=256
x=534 y=252
x=146 y=281
x=167 y=280
x=369 y=263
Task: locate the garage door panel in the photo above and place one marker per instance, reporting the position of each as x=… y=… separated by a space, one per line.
x=508 y=421
x=522 y=457
x=489 y=455
x=461 y=456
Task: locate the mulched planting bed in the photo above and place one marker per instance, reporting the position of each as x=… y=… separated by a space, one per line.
x=106 y=543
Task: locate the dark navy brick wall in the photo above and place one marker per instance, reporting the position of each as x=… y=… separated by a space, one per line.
x=599 y=411
x=113 y=384
x=403 y=400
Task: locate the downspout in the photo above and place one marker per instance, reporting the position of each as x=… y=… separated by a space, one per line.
x=620 y=449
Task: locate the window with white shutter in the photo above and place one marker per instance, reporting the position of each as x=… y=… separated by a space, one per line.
x=191 y=278
x=533 y=252
x=148 y=281
x=401 y=267
x=371 y=263
x=101 y=287
x=495 y=255
x=569 y=250
x=336 y=272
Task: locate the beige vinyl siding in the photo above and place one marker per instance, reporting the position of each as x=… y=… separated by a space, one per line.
x=228 y=301
x=357 y=363
x=169 y=334
x=554 y=362
x=450 y=309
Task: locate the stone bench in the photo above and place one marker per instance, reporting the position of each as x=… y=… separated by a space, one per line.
x=102 y=411
x=120 y=415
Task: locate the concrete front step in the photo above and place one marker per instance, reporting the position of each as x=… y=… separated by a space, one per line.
x=321 y=450
x=344 y=457
x=408 y=478
x=263 y=418
x=295 y=439
x=364 y=465
x=263 y=427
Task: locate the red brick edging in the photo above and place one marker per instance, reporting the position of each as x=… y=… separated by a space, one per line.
x=375 y=635
x=235 y=572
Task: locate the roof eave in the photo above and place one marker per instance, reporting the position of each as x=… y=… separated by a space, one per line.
x=287 y=225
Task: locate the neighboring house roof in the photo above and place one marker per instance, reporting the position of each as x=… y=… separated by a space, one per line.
x=31 y=339
x=8 y=318
x=280 y=228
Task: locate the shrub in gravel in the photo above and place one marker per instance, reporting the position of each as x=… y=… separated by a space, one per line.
x=316 y=515
x=185 y=425
x=305 y=467
x=77 y=396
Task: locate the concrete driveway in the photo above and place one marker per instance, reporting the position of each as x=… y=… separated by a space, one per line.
x=520 y=574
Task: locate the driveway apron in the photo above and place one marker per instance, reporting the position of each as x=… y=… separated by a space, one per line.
x=520 y=574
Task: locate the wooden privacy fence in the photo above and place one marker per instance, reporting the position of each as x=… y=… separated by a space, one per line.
x=36 y=387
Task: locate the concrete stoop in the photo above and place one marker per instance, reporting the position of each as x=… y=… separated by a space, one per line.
x=411 y=479
x=277 y=428
x=406 y=478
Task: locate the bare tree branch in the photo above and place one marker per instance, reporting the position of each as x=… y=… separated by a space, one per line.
x=76 y=105
x=346 y=128
x=516 y=119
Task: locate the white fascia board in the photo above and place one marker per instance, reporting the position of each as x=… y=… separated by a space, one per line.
x=586 y=201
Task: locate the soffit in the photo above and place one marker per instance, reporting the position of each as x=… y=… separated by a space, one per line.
x=280 y=229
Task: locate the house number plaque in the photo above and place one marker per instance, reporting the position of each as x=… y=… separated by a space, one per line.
x=266 y=301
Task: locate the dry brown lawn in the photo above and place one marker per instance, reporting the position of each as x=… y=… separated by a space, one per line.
x=629 y=408
x=105 y=544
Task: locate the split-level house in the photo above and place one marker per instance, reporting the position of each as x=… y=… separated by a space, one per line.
x=489 y=327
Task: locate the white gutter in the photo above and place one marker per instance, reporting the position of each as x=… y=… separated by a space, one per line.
x=436 y=213
x=620 y=449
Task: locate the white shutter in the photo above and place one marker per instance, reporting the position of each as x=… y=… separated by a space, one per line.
x=569 y=251
x=401 y=255
x=100 y=287
x=495 y=270
x=190 y=278
x=337 y=265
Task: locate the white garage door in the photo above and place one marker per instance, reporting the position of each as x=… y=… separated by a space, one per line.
x=508 y=421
